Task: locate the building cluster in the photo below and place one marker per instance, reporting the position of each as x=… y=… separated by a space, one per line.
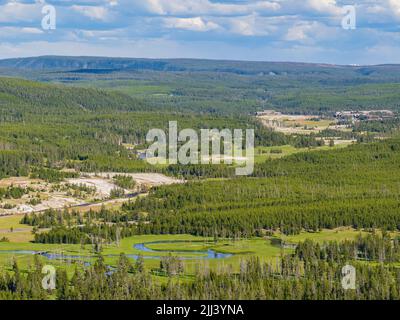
x=371 y=115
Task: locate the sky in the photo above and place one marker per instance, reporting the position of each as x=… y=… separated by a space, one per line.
x=258 y=30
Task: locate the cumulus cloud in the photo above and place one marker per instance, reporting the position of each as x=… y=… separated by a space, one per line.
x=14 y=11
x=206 y=7
x=325 y=6
x=15 y=31
x=192 y=24
x=254 y=25
x=311 y=32
x=244 y=26
x=298 y=32
x=93 y=12
x=395 y=5
x=232 y=26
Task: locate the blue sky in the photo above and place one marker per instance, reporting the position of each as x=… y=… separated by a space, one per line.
x=275 y=30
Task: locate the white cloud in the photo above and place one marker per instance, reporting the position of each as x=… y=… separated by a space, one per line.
x=298 y=32
x=206 y=7
x=312 y=32
x=19 y=12
x=113 y=3
x=93 y=12
x=32 y=30
x=113 y=34
x=229 y=26
x=24 y=34
x=252 y=25
x=192 y=24
x=395 y=5
x=244 y=26
x=325 y=6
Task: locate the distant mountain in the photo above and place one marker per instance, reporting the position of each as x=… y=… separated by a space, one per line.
x=92 y=64
x=65 y=63
x=216 y=86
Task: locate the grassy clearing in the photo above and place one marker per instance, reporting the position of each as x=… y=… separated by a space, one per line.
x=323 y=123
x=240 y=249
x=11 y=229
x=341 y=234
x=265 y=153
x=7 y=222
x=192 y=249
x=127 y=244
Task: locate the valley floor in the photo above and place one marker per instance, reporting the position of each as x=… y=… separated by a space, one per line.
x=193 y=251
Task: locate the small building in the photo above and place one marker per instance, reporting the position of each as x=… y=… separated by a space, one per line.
x=370 y=115
x=268 y=113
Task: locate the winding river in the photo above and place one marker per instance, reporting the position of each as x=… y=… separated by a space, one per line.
x=184 y=255
x=199 y=255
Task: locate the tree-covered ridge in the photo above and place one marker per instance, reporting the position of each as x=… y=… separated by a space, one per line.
x=199 y=65
x=223 y=87
x=357 y=186
x=34 y=97
x=45 y=127
x=84 y=128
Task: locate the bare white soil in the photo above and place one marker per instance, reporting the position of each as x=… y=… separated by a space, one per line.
x=102 y=182
x=152 y=179
x=103 y=187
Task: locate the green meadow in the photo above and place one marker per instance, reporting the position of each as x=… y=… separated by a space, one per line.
x=262 y=154
x=191 y=249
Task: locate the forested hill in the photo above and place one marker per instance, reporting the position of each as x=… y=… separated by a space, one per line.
x=20 y=96
x=237 y=67
x=86 y=127
x=54 y=122
x=221 y=87
x=357 y=186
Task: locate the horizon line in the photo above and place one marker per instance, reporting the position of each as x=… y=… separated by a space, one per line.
x=201 y=59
